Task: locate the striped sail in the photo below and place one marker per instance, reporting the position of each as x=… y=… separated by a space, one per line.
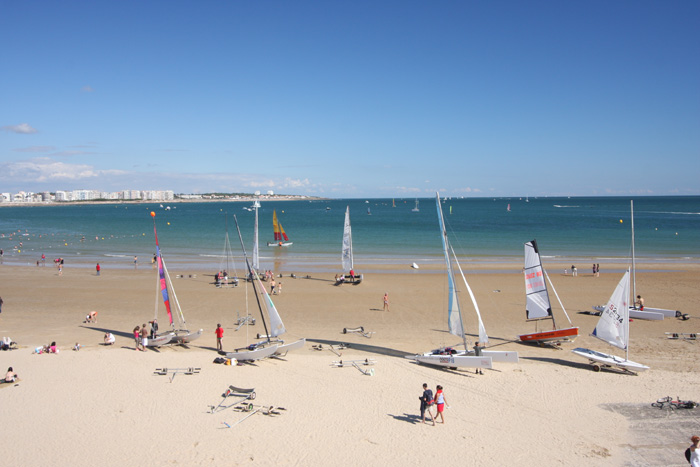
x=537 y=298
x=279 y=231
x=613 y=325
x=454 y=315
x=347 y=243
x=161 y=277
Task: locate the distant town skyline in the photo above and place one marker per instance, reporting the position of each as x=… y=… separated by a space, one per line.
x=353 y=100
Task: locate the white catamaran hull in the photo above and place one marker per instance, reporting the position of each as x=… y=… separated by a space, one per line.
x=163 y=339
x=453 y=361
x=184 y=336
x=499 y=356
x=252 y=355
x=634 y=313
x=602 y=360
x=284 y=348
x=280 y=243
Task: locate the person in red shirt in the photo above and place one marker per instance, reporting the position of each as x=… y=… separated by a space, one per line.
x=97 y=268
x=219 y=335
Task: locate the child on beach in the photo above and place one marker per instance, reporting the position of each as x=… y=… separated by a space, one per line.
x=10 y=376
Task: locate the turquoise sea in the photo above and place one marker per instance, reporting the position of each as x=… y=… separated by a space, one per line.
x=582 y=229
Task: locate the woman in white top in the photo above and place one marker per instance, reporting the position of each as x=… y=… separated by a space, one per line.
x=695 y=452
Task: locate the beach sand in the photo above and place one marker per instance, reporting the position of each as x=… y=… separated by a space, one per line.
x=105 y=404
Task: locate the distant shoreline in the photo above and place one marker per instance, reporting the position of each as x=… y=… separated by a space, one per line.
x=172 y=201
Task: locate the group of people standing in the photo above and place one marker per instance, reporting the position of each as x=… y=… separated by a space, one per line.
x=428 y=400
x=141 y=334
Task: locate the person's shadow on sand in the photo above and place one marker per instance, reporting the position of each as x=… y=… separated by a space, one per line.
x=409 y=418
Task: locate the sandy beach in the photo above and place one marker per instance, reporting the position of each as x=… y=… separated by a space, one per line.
x=105 y=404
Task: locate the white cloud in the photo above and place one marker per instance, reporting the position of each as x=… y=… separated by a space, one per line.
x=43 y=169
x=22 y=128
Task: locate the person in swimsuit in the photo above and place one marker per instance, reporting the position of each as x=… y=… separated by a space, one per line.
x=144 y=337
x=386 y=301
x=440 y=401
x=639 y=303
x=136 y=337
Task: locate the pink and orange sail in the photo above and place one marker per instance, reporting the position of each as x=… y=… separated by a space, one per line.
x=161 y=273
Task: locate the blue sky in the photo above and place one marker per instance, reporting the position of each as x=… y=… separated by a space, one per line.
x=352 y=98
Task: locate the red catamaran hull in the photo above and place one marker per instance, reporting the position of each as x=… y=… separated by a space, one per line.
x=568 y=334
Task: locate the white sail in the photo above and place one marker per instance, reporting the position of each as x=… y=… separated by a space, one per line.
x=613 y=325
x=454 y=314
x=537 y=298
x=276 y=325
x=347 y=243
x=483 y=337
x=256 y=254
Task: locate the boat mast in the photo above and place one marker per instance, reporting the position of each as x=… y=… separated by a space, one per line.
x=634 y=269
x=252 y=278
x=454 y=318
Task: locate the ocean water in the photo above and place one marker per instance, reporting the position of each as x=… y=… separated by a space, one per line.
x=192 y=235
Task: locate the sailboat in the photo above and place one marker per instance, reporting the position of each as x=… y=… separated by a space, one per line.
x=655 y=314
x=223 y=275
x=508 y=208
x=175 y=336
x=448 y=356
x=537 y=300
x=613 y=328
x=268 y=347
x=346 y=252
x=281 y=238
x=416 y=209
x=393 y=203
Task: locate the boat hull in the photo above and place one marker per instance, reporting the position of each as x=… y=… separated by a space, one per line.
x=184 y=336
x=639 y=314
x=284 y=348
x=280 y=243
x=160 y=340
x=453 y=361
x=600 y=360
x=556 y=335
x=252 y=355
x=499 y=356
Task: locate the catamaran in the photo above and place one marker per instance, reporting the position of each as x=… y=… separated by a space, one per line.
x=175 y=336
x=416 y=209
x=538 y=306
x=281 y=238
x=346 y=253
x=614 y=327
x=224 y=276
x=449 y=356
x=267 y=347
x=648 y=313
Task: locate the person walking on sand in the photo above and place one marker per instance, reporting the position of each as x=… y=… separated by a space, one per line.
x=574 y=271
x=219 y=335
x=136 y=337
x=97 y=269
x=477 y=353
x=426 y=401
x=386 y=301
x=136 y=262
x=440 y=401
x=1 y=302
x=272 y=286
x=597 y=270
x=693 y=452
